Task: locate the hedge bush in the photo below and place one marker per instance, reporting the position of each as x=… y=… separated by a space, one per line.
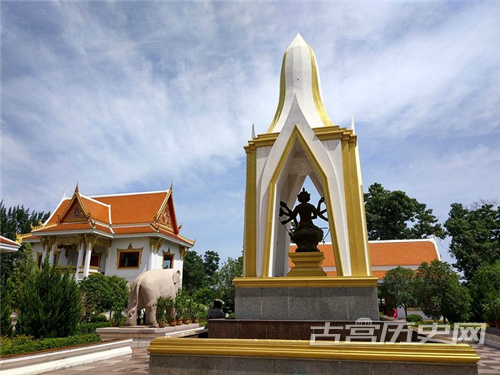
x=98 y=318
x=414 y=318
x=26 y=344
x=86 y=328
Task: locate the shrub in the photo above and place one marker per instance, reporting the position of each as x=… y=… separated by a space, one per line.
x=414 y=318
x=104 y=293
x=6 y=308
x=25 y=344
x=49 y=304
x=98 y=318
x=86 y=328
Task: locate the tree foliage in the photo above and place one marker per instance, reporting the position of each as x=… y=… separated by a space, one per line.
x=14 y=220
x=223 y=281
x=484 y=287
x=475 y=236
x=211 y=263
x=6 y=309
x=49 y=304
x=193 y=277
x=394 y=215
x=399 y=283
x=440 y=293
x=103 y=293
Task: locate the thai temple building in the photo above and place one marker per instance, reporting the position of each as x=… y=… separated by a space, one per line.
x=120 y=234
x=387 y=254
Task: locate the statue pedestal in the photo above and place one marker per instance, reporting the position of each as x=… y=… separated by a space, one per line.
x=306 y=264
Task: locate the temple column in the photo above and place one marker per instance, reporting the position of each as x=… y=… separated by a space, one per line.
x=52 y=252
x=154 y=246
x=44 y=254
x=80 y=258
x=107 y=267
x=88 y=254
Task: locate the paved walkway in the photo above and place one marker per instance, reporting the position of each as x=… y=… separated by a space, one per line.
x=138 y=364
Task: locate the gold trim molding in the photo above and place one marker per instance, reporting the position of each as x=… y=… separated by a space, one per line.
x=301 y=349
x=305 y=282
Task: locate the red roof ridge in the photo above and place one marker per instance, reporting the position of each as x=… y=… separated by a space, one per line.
x=63 y=198
x=404 y=240
x=131 y=225
x=94 y=200
x=136 y=193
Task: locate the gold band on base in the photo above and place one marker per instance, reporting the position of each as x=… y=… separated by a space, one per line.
x=301 y=349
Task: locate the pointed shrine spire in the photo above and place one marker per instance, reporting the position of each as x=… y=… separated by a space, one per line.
x=300 y=79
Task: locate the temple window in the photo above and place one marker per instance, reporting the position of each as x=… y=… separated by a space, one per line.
x=129 y=258
x=168 y=260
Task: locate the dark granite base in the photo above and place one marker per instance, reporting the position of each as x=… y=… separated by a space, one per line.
x=165 y=364
x=302 y=330
x=303 y=303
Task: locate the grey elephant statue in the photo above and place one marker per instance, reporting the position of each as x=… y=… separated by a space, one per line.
x=146 y=289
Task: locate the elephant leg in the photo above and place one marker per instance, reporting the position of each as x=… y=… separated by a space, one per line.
x=151 y=316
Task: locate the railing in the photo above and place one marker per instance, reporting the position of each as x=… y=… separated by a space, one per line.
x=79 y=276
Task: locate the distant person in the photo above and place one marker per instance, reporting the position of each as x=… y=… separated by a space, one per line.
x=395 y=315
x=216 y=311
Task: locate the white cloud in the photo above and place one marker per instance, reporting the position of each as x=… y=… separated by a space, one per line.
x=125 y=96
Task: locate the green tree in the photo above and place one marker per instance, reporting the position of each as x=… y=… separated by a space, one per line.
x=6 y=308
x=440 y=293
x=24 y=265
x=103 y=293
x=484 y=286
x=14 y=220
x=193 y=277
x=206 y=296
x=211 y=263
x=392 y=215
x=399 y=283
x=475 y=233
x=223 y=281
x=49 y=304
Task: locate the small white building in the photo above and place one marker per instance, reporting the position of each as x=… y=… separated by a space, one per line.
x=120 y=234
x=8 y=246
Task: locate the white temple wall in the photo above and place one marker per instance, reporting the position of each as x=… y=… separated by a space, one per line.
x=122 y=243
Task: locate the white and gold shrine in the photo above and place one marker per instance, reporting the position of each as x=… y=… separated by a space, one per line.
x=302 y=141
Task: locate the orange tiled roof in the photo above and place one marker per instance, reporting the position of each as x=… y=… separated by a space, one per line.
x=127 y=211
x=98 y=210
x=134 y=208
x=387 y=254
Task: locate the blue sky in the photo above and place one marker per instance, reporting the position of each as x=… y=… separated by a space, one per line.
x=126 y=96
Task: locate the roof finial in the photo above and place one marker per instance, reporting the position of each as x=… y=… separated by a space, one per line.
x=253 y=131
x=76 y=188
x=64 y=194
x=352 y=123
x=300 y=80
x=171 y=185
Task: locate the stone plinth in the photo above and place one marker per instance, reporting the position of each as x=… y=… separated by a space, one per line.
x=311 y=298
x=307 y=264
x=143 y=335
